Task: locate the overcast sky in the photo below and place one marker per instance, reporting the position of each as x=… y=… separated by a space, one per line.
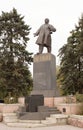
x=63 y=15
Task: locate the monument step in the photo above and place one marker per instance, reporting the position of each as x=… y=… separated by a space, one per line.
x=25 y=125
x=41 y=114
x=48 y=109
x=30 y=121
x=36 y=115
x=48 y=122
x=54 y=119
x=58 y=118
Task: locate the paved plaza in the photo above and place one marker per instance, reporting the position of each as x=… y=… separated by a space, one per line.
x=61 y=127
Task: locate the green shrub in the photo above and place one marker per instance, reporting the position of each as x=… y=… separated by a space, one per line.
x=10 y=100
x=79 y=97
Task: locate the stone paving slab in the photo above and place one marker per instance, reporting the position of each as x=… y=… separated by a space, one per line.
x=61 y=127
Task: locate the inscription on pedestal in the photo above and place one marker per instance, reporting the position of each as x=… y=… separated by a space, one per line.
x=44 y=75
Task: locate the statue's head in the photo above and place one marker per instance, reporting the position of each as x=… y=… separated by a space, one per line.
x=46 y=20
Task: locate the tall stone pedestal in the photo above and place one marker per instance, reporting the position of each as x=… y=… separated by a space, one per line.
x=44 y=75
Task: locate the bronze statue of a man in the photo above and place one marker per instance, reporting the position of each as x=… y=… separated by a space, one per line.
x=44 y=36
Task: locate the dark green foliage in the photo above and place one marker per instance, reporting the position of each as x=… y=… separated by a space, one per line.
x=79 y=97
x=14 y=58
x=71 y=68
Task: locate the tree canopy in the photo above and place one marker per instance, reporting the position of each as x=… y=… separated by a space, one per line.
x=14 y=57
x=71 y=66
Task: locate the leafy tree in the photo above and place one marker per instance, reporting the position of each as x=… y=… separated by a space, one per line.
x=71 y=66
x=14 y=58
x=58 y=80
